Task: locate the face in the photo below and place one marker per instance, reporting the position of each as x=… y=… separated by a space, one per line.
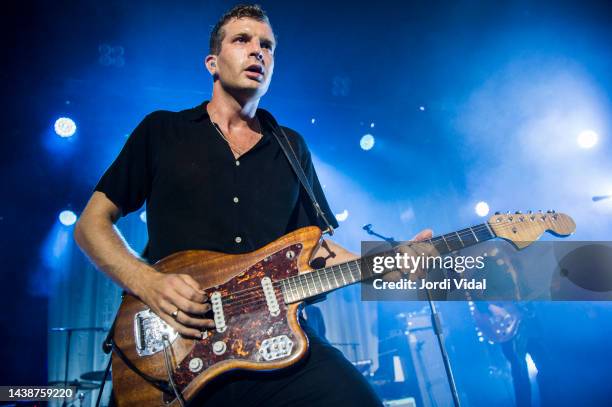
x=246 y=60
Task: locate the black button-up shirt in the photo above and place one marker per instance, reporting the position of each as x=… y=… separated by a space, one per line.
x=198 y=196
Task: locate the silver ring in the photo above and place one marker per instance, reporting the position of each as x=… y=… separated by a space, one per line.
x=175 y=313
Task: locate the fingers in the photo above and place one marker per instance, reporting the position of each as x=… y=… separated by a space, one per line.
x=166 y=314
x=424 y=234
x=188 y=288
x=182 y=303
x=199 y=295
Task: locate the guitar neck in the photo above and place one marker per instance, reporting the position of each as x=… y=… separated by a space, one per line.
x=322 y=281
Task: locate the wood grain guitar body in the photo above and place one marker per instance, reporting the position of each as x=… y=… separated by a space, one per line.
x=256 y=329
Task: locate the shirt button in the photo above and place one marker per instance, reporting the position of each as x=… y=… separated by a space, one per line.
x=237 y=163
x=237 y=239
x=236 y=199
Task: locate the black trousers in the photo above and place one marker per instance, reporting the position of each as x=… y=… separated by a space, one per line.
x=323 y=378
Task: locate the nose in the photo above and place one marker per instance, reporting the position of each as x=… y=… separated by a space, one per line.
x=257 y=53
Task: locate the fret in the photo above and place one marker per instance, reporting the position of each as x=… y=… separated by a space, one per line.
x=483 y=232
x=467 y=237
x=475 y=237
x=354 y=266
x=460 y=240
x=447 y=245
x=350 y=274
x=314 y=286
x=343 y=279
x=489 y=229
x=301 y=279
x=292 y=290
x=284 y=291
x=439 y=244
x=327 y=277
x=335 y=279
x=320 y=281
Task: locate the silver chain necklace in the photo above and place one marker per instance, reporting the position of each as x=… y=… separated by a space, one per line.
x=232 y=147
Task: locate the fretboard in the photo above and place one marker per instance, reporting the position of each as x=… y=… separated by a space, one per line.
x=321 y=281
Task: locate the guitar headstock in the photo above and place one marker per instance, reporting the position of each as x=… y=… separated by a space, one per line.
x=522 y=229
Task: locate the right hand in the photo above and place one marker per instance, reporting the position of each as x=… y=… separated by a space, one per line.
x=168 y=293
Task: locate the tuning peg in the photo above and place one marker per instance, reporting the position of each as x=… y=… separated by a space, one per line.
x=498 y=213
x=550 y=211
x=529 y=212
x=517 y=212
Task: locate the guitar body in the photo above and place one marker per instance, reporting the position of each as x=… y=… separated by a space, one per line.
x=256 y=334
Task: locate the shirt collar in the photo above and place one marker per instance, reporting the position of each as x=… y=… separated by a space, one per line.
x=197 y=113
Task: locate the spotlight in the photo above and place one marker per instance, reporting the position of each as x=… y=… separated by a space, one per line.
x=67 y=218
x=341 y=217
x=313 y=120
x=587 y=139
x=367 y=142
x=482 y=209
x=143 y=216
x=65 y=127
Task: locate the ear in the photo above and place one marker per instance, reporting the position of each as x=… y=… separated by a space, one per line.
x=211 y=64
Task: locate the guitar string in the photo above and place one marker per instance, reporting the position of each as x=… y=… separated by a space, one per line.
x=240 y=295
x=245 y=301
x=241 y=298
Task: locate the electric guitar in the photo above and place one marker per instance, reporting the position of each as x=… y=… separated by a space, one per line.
x=255 y=299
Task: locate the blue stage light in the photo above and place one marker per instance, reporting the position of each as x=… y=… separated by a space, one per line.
x=65 y=127
x=482 y=209
x=367 y=142
x=341 y=217
x=67 y=218
x=587 y=139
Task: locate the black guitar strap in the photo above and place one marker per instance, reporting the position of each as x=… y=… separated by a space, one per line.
x=285 y=145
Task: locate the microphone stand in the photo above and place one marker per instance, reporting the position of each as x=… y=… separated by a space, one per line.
x=435 y=323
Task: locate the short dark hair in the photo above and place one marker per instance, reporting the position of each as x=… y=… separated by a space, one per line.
x=217 y=34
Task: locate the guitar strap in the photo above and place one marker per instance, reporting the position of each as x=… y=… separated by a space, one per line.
x=285 y=145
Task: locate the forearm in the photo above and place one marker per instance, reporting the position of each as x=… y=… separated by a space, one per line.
x=102 y=242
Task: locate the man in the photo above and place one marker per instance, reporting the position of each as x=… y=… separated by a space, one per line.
x=214 y=178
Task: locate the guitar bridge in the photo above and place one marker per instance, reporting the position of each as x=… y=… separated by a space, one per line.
x=149 y=332
x=276 y=348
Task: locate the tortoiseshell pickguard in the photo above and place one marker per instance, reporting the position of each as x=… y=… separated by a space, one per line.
x=248 y=319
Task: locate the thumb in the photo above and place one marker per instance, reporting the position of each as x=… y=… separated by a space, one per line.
x=423 y=235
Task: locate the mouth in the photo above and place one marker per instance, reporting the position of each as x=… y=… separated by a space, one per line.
x=255 y=71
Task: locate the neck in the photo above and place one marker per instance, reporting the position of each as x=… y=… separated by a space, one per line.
x=229 y=112
x=321 y=281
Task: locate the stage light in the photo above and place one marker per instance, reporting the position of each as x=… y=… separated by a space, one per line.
x=422 y=108
x=143 y=216
x=367 y=142
x=65 y=127
x=532 y=369
x=587 y=139
x=313 y=120
x=372 y=125
x=341 y=217
x=67 y=218
x=482 y=209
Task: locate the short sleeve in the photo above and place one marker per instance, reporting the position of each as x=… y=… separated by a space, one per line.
x=127 y=182
x=305 y=213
